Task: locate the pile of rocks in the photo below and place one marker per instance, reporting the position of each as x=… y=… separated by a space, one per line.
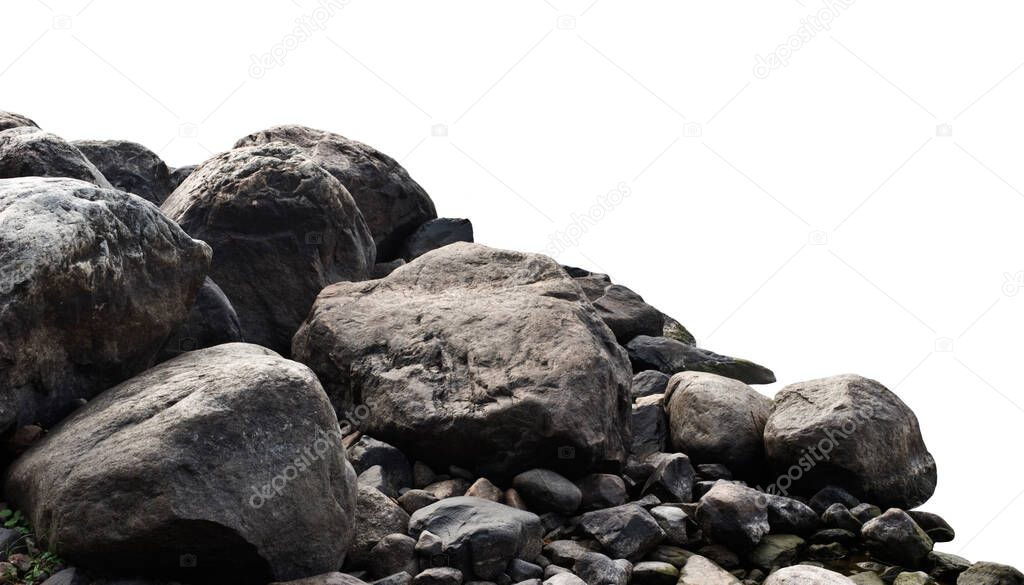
x=280 y=365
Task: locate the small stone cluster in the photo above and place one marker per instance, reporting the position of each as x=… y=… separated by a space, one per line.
x=281 y=366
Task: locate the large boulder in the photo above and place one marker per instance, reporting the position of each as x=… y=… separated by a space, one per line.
x=10 y=120
x=27 y=151
x=377 y=516
x=714 y=419
x=480 y=537
x=130 y=167
x=92 y=281
x=482 y=358
x=670 y=356
x=281 y=229
x=212 y=321
x=733 y=515
x=895 y=537
x=627 y=315
x=985 y=573
x=865 y=439
x=391 y=201
x=229 y=457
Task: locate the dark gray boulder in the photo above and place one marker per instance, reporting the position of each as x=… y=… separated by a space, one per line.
x=670 y=356
x=281 y=229
x=672 y=477
x=627 y=315
x=648 y=383
x=436 y=233
x=367 y=452
x=92 y=281
x=625 y=532
x=27 y=151
x=211 y=321
x=839 y=516
x=391 y=201
x=394 y=553
x=896 y=538
x=420 y=349
x=601 y=490
x=936 y=526
x=990 y=574
x=650 y=429
x=178 y=175
x=547 y=491
x=480 y=537
x=871 y=440
x=789 y=516
x=675 y=330
x=130 y=167
x=226 y=455
x=734 y=516
x=10 y=120
x=714 y=419
x=594 y=567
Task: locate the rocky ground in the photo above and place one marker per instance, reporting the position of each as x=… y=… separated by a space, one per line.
x=281 y=366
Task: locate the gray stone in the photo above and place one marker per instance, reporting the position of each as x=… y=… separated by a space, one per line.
x=178 y=175
x=203 y=453
x=676 y=524
x=520 y=570
x=434 y=234
x=564 y=579
x=10 y=120
x=413 y=500
x=27 y=151
x=672 y=478
x=377 y=516
x=92 y=281
x=281 y=229
x=946 y=567
x=839 y=516
x=627 y=315
x=776 y=550
x=871 y=438
x=915 y=578
x=699 y=570
x=789 y=516
x=675 y=330
x=865 y=512
x=649 y=382
x=547 y=491
x=596 y=568
x=714 y=419
x=832 y=494
x=895 y=537
x=211 y=321
x=625 y=532
x=601 y=490
x=670 y=357
x=936 y=526
x=650 y=429
x=483 y=488
x=402 y=578
x=480 y=537
x=367 y=452
x=333 y=578
x=68 y=576
x=733 y=515
x=130 y=167
x=419 y=348
x=564 y=553
x=990 y=574
x=394 y=553
x=391 y=201
x=806 y=575
x=655 y=573
x=439 y=576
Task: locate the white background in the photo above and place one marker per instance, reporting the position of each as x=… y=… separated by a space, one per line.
x=817 y=224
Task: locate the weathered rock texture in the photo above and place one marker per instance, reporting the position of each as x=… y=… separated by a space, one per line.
x=130 y=167
x=27 y=151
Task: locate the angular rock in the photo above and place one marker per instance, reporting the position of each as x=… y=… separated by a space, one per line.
x=10 y=120
x=625 y=532
x=650 y=429
x=281 y=229
x=936 y=526
x=394 y=553
x=699 y=570
x=226 y=455
x=434 y=234
x=448 y=488
x=439 y=576
x=672 y=478
x=990 y=574
x=676 y=524
x=413 y=500
x=391 y=201
x=865 y=512
x=789 y=516
x=627 y=315
x=129 y=167
x=211 y=321
x=806 y=575
x=601 y=490
x=92 y=281
x=669 y=356
x=946 y=567
x=595 y=567
x=478 y=536
x=714 y=419
x=30 y=152
x=675 y=330
x=895 y=537
x=734 y=516
x=871 y=439
x=647 y=383
x=483 y=488
x=547 y=491
x=564 y=553
x=915 y=578
x=419 y=348
x=838 y=516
